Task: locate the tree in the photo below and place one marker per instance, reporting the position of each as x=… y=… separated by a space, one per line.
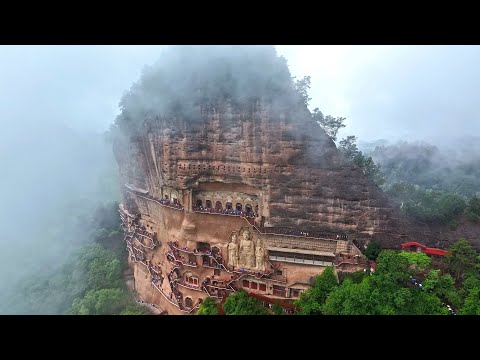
x=373 y=250
x=420 y=260
x=443 y=286
x=330 y=124
x=103 y=274
x=302 y=87
x=208 y=307
x=392 y=272
x=473 y=210
x=472 y=303
x=134 y=310
x=348 y=147
x=101 y=302
x=357 y=276
x=311 y=301
x=463 y=258
x=424 y=303
x=471 y=287
x=240 y=303
x=277 y=309
x=351 y=299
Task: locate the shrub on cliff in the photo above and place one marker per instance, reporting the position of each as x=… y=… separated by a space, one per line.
x=208 y=307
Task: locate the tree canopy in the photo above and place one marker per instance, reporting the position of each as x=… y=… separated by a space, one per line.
x=348 y=147
x=310 y=301
x=208 y=307
x=330 y=124
x=420 y=260
x=240 y=303
x=373 y=250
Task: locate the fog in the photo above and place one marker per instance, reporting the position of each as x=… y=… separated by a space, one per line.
x=56 y=102
x=401 y=92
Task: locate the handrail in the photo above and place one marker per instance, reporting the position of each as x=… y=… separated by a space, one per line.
x=158 y=202
x=188 y=286
x=170 y=252
x=205 y=211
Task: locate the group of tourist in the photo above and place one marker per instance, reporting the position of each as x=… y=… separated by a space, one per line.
x=176 y=252
x=172 y=204
x=142 y=230
x=221 y=211
x=294 y=232
x=176 y=256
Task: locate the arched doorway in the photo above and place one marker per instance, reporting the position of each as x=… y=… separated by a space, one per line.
x=205 y=260
x=248 y=209
x=218 y=205
x=239 y=207
x=176 y=273
x=199 y=203
x=228 y=206
x=188 y=302
x=208 y=204
x=191 y=278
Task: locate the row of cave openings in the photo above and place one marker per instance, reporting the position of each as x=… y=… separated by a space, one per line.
x=228 y=206
x=226 y=168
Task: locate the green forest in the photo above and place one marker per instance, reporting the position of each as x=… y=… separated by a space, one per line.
x=391 y=289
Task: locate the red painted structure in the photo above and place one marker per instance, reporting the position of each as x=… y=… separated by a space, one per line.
x=413 y=246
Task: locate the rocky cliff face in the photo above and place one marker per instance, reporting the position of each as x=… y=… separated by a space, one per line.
x=303 y=181
x=229 y=120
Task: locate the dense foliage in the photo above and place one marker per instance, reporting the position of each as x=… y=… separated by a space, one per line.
x=393 y=290
x=432 y=185
x=429 y=206
x=208 y=307
x=311 y=301
x=420 y=260
x=240 y=303
x=473 y=210
x=373 y=250
x=348 y=147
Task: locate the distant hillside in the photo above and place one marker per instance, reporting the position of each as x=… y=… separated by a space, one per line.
x=452 y=166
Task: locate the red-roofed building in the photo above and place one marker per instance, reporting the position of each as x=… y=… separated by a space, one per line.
x=413 y=246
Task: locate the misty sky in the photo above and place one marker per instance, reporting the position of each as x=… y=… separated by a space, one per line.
x=389 y=92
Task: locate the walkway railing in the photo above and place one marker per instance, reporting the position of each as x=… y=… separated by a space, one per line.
x=161 y=202
x=178 y=261
x=187 y=285
x=224 y=212
x=219 y=265
x=187 y=311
